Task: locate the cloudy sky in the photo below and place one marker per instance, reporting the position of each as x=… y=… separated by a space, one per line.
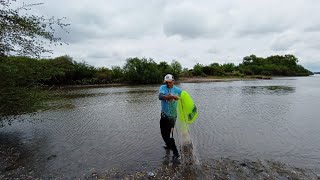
x=106 y=32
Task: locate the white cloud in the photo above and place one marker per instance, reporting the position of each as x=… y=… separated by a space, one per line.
x=285 y=41
x=105 y=33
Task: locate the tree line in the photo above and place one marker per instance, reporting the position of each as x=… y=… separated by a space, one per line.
x=275 y=65
x=63 y=70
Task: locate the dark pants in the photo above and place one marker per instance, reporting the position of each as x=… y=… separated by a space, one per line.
x=165 y=126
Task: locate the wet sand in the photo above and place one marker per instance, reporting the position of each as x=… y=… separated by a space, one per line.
x=190 y=168
x=13 y=165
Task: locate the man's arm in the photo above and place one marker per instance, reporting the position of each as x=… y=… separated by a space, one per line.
x=168 y=97
x=161 y=96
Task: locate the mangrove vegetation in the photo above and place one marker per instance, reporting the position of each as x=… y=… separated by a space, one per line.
x=63 y=70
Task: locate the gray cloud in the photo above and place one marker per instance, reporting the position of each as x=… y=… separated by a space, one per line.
x=195 y=20
x=313 y=28
x=100 y=55
x=111 y=20
x=260 y=29
x=285 y=41
x=312 y=66
x=105 y=33
x=212 y=51
x=256 y=24
x=186 y=24
x=77 y=34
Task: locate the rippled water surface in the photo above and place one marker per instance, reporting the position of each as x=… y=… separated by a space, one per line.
x=118 y=127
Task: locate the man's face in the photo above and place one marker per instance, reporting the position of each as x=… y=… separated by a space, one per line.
x=170 y=84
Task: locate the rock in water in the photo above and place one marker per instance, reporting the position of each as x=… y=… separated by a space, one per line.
x=150 y=174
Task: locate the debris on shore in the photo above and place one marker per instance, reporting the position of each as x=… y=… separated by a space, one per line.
x=223 y=168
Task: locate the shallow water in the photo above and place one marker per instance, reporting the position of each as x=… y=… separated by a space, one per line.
x=99 y=129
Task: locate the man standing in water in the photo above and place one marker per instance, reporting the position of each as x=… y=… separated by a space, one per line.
x=169 y=94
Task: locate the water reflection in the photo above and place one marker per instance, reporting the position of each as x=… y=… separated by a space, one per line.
x=22 y=155
x=72 y=95
x=272 y=90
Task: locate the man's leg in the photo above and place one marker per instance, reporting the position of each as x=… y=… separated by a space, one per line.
x=165 y=131
x=166 y=126
x=173 y=146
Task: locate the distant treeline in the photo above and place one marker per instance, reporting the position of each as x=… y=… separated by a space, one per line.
x=276 y=65
x=24 y=71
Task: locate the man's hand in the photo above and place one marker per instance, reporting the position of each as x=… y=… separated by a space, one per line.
x=175 y=97
x=171 y=97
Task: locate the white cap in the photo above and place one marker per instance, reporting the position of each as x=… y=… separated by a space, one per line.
x=168 y=77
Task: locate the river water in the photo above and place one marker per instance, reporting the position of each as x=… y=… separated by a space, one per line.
x=98 y=129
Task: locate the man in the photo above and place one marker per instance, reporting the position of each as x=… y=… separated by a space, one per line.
x=169 y=94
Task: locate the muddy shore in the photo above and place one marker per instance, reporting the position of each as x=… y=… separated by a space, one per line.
x=14 y=165
x=220 y=169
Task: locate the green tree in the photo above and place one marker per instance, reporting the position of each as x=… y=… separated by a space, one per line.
x=62 y=70
x=152 y=74
x=25 y=34
x=286 y=65
x=84 y=73
x=208 y=70
x=103 y=75
x=117 y=74
x=141 y=71
x=197 y=69
x=165 y=68
x=19 y=82
x=228 y=67
x=249 y=59
x=176 y=69
x=186 y=72
x=217 y=69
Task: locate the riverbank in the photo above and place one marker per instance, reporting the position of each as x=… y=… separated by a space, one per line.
x=223 y=168
x=14 y=165
x=199 y=79
x=195 y=79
